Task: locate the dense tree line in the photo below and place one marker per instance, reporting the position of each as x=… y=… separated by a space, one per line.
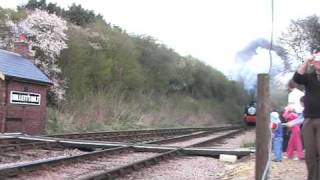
x=75 y=14
x=103 y=57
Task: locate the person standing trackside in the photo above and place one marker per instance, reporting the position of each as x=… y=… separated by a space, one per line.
x=311 y=124
x=294 y=97
x=294 y=143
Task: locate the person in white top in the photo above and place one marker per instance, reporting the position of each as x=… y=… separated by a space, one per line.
x=294 y=102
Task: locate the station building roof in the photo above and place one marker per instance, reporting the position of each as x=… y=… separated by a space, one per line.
x=15 y=66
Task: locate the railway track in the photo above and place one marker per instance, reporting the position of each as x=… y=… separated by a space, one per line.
x=20 y=143
x=12 y=140
x=172 y=131
x=93 y=162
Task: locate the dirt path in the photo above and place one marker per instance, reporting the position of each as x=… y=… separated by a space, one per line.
x=288 y=169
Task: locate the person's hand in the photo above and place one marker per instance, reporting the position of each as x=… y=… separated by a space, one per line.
x=304 y=66
x=273 y=125
x=287 y=125
x=313 y=58
x=316 y=56
x=309 y=59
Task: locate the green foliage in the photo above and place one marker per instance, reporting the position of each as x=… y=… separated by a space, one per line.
x=79 y=16
x=76 y=63
x=53 y=8
x=14 y=15
x=76 y=14
x=159 y=64
x=42 y=5
x=53 y=123
x=35 y=4
x=115 y=110
x=138 y=78
x=98 y=59
x=248 y=145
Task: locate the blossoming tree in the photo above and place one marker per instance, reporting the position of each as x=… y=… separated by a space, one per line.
x=46 y=39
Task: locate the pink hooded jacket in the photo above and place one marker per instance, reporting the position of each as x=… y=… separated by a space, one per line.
x=289 y=115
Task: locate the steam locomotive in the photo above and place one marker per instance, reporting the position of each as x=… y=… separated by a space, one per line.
x=249 y=116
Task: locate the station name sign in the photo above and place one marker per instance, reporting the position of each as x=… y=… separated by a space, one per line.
x=18 y=97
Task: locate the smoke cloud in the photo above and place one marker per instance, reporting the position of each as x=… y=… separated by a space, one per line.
x=248 y=52
x=255 y=59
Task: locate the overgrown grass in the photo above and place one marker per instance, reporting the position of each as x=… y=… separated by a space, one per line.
x=116 y=111
x=248 y=145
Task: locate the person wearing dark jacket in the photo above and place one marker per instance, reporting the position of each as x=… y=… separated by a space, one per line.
x=311 y=113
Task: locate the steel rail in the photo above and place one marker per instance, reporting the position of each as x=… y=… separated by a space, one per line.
x=13 y=140
x=189 y=136
x=120 y=171
x=32 y=145
x=130 y=132
x=39 y=142
x=13 y=169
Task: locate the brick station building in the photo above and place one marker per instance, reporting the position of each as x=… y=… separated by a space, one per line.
x=23 y=95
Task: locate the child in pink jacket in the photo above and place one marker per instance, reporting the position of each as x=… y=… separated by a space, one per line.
x=294 y=143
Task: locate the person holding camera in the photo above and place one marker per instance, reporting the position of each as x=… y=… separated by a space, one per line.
x=311 y=113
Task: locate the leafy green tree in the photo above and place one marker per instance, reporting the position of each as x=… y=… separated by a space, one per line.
x=76 y=14
x=100 y=58
x=159 y=62
x=34 y=4
x=54 y=8
x=79 y=16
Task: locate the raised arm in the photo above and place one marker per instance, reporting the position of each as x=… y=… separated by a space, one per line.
x=300 y=75
x=296 y=121
x=304 y=66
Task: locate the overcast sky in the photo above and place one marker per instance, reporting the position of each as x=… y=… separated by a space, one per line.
x=212 y=31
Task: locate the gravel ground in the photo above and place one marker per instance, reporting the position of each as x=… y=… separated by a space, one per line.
x=190 y=168
x=244 y=139
x=85 y=167
x=286 y=170
x=17 y=157
x=196 y=140
x=186 y=168
x=203 y=168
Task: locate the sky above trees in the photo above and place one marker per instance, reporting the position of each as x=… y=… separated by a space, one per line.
x=213 y=31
